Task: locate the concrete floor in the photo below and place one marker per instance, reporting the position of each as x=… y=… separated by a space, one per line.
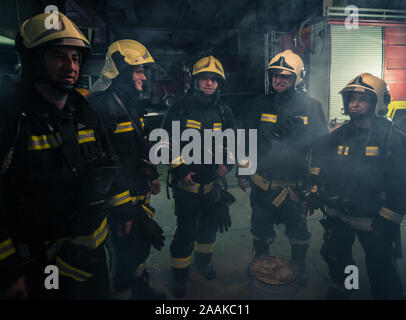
x=233 y=253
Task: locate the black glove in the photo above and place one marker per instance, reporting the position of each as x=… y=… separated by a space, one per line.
x=222 y=211
x=149 y=228
x=384 y=227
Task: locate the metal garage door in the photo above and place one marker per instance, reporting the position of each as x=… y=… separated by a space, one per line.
x=353 y=52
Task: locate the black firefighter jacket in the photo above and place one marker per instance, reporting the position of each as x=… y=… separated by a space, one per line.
x=287 y=125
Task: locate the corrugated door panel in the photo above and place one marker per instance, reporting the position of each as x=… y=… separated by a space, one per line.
x=395 y=62
x=353 y=52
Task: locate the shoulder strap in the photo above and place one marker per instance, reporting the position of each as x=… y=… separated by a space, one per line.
x=137 y=129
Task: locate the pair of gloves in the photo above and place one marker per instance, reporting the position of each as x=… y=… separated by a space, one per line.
x=220 y=210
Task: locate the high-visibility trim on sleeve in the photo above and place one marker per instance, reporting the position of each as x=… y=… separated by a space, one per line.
x=269 y=117
x=372 y=151
x=120 y=199
x=86 y=136
x=6 y=249
x=124 y=127
x=340 y=150
x=176 y=162
x=142 y=122
x=44 y=142
x=181 y=263
x=216 y=126
x=193 y=124
x=67 y=270
x=314 y=171
x=391 y=215
x=93 y=240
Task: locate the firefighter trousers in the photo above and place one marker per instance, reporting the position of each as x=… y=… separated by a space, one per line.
x=381 y=267
x=194 y=230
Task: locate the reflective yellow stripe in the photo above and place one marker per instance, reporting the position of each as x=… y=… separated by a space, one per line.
x=204 y=247
x=346 y=151
x=305 y=120
x=44 y=142
x=176 y=163
x=6 y=249
x=124 y=127
x=315 y=171
x=314 y=189
x=280 y=198
x=148 y=211
x=67 y=270
x=142 y=122
x=390 y=215
x=372 y=151
x=269 y=117
x=181 y=263
x=95 y=239
x=86 y=136
x=120 y=199
x=261 y=182
x=143 y=197
x=340 y=149
x=216 y=126
x=193 y=124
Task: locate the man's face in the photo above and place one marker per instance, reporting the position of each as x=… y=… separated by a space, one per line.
x=359 y=105
x=139 y=77
x=282 y=82
x=62 y=65
x=207 y=84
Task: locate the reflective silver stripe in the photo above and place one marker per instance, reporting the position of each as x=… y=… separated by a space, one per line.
x=269 y=117
x=95 y=239
x=391 y=215
x=260 y=182
x=355 y=222
x=372 y=151
x=299 y=242
x=43 y=142
x=181 y=263
x=280 y=198
x=6 y=249
x=204 y=247
x=305 y=120
x=69 y=271
x=216 y=126
x=120 y=199
x=124 y=127
x=86 y=136
x=176 y=162
x=340 y=149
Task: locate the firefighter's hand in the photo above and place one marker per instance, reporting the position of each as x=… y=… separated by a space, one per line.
x=188 y=181
x=156 y=186
x=222 y=170
x=124 y=229
x=308 y=210
x=243 y=183
x=17 y=291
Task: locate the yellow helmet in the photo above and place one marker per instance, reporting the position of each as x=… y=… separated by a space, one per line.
x=209 y=64
x=34 y=33
x=132 y=52
x=289 y=63
x=368 y=83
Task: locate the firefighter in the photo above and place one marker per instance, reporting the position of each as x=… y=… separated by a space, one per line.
x=195 y=186
x=288 y=122
x=116 y=96
x=57 y=172
x=358 y=179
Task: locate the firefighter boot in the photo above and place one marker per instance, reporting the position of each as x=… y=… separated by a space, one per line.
x=203 y=263
x=298 y=258
x=141 y=289
x=178 y=284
